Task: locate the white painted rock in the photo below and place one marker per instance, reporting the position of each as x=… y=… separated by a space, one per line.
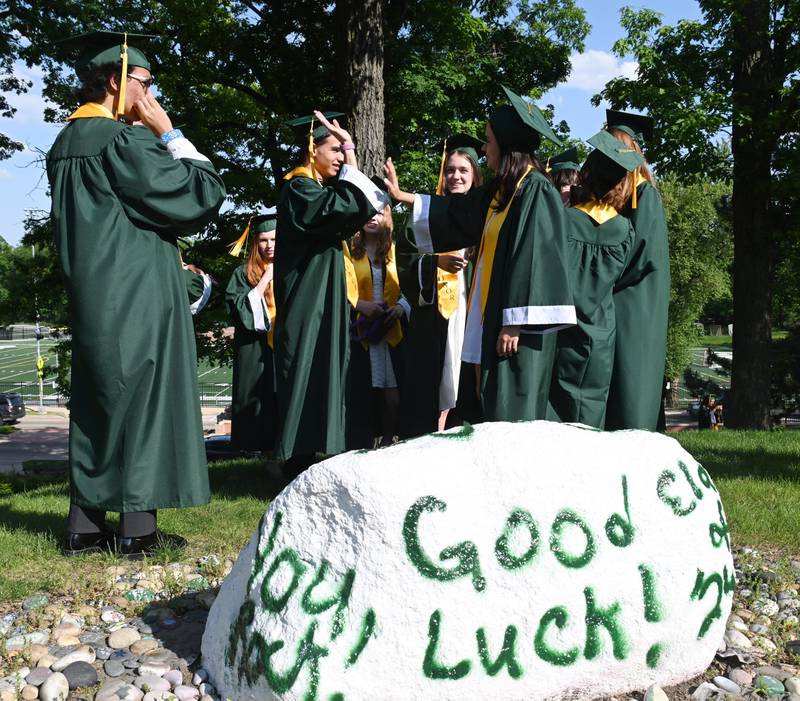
x=509 y=561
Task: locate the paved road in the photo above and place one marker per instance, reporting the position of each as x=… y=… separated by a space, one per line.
x=45 y=437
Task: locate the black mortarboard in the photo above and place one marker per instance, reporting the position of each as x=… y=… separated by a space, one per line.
x=521 y=124
x=638 y=126
x=465 y=143
x=568 y=160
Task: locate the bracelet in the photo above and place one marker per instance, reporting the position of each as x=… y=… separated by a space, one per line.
x=348 y=146
x=171 y=136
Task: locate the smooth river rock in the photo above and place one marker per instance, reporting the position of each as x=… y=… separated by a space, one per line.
x=513 y=561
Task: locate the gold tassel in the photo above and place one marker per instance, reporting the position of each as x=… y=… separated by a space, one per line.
x=633 y=196
x=124 y=78
x=311 y=148
x=440 y=183
x=236 y=247
x=547 y=168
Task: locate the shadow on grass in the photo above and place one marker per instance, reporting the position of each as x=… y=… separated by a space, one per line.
x=48 y=489
x=765 y=455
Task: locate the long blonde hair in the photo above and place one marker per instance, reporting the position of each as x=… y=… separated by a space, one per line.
x=358 y=248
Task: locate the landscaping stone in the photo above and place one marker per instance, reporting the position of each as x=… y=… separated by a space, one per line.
x=123 y=638
x=80 y=674
x=114 y=668
x=34 y=602
x=55 y=688
x=653 y=693
x=410 y=540
x=742 y=677
x=84 y=654
x=727 y=685
x=769 y=685
x=18 y=642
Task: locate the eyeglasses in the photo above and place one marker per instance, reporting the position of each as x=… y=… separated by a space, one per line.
x=145 y=82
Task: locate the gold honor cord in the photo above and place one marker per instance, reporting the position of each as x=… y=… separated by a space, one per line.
x=270 y=300
x=311 y=147
x=236 y=247
x=446 y=283
x=124 y=79
x=491 y=233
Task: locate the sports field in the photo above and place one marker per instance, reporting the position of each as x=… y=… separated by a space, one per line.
x=18 y=365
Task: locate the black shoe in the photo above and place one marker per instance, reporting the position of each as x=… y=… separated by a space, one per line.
x=87 y=543
x=135 y=548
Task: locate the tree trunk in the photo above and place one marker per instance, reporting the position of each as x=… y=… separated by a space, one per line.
x=360 y=78
x=753 y=246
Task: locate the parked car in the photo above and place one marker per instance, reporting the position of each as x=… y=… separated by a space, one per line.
x=12 y=407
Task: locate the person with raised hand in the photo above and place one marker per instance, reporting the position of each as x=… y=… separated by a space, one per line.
x=323 y=201
x=121 y=197
x=520 y=292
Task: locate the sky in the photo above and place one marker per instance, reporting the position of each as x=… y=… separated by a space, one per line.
x=23 y=184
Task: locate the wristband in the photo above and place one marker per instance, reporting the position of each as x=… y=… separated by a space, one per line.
x=348 y=146
x=171 y=136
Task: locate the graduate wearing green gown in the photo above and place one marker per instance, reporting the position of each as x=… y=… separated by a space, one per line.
x=599 y=244
x=251 y=306
x=322 y=203
x=120 y=198
x=436 y=287
x=520 y=292
x=641 y=296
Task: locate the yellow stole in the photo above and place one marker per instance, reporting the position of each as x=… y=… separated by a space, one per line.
x=446 y=291
x=598 y=211
x=491 y=231
x=359 y=273
x=91 y=109
x=350 y=278
x=271 y=311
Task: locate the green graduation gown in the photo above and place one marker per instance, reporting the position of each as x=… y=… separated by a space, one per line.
x=119 y=200
x=641 y=303
x=597 y=255
x=253 y=403
x=529 y=287
x=312 y=344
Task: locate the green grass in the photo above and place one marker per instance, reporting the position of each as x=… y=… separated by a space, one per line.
x=757 y=473
x=758 y=476
x=715 y=341
x=33 y=512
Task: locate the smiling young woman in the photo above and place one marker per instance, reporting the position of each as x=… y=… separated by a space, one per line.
x=520 y=292
x=437 y=287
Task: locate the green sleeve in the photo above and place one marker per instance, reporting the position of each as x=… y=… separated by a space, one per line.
x=157 y=191
x=650 y=254
x=456 y=221
x=194 y=285
x=236 y=300
x=335 y=211
x=420 y=279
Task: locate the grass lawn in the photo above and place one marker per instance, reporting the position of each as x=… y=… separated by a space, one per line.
x=757 y=473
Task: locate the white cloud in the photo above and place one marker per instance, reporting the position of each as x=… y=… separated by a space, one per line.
x=30 y=105
x=592 y=69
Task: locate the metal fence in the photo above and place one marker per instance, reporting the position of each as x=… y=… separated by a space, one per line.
x=22 y=332
x=30 y=392
x=211 y=393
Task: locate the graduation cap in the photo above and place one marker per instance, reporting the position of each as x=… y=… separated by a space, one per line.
x=564 y=161
x=520 y=124
x=96 y=48
x=612 y=159
x=259 y=224
x=638 y=126
x=463 y=143
x=379 y=182
x=309 y=126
